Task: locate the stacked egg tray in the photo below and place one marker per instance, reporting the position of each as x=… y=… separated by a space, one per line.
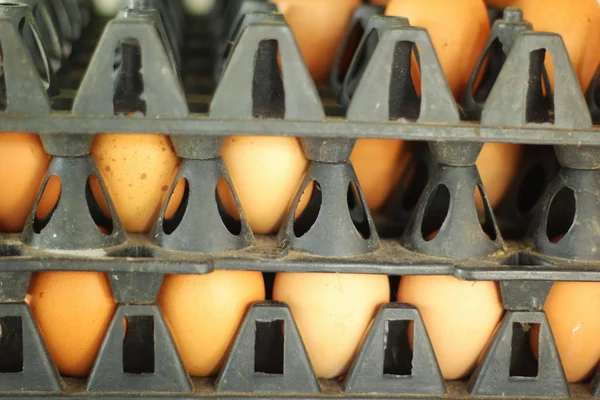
x=239 y=72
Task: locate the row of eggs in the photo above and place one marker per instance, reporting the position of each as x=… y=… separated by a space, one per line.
x=333 y=313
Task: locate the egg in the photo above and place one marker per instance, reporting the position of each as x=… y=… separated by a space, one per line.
x=460 y=317
x=458 y=30
x=498 y=163
x=138 y=170
x=579 y=27
x=266 y=173
x=378 y=166
x=204 y=313
x=50 y=197
x=332 y=312
x=573 y=311
x=73 y=311
x=23 y=165
x=107 y=8
x=319 y=27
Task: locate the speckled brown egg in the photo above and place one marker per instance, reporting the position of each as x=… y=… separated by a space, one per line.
x=138 y=170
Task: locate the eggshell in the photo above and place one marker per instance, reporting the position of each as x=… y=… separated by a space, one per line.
x=458 y=30
x=73 y=311
x=579 y=27
x=23 y=165
x=332 y=312
x=498 y=163
x=138 y=170
x=49 y=197
x=377 y=163
x=460 y=317
x=204 y=313
x=266 y=173
x=573 y=310
x=319 y=27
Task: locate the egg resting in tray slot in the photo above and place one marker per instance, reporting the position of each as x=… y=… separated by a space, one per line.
x=264 y=192
x=455 y=27
x=138 y=168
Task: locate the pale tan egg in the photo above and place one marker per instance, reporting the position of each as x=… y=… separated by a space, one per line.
x=23 y=165
x=498 y=163
x=138 y=170
x=204 y=313
x=319 y=27
x=573 y=310
x=266 y=173
x=73 y=311
x=332 y=312
x=459 y=316
x=378 y=165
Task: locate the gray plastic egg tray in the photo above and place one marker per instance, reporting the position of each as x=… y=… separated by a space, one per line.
x=221 y=77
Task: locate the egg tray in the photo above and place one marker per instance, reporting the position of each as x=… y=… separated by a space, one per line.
x=256 y=95
x=252 y=77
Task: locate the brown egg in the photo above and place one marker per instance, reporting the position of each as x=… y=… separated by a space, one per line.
x=453 y=27
x=498 y=163
x=266 y=173
x=378 y=166
x=49 y=197
x=458 y=30
x=573 y=310
x=332 y=312
x=460 y=317
x=138 y=170
x=204 y=313
x=319 y=27
x=73 y=311
x=23 y=165
x=579 y=27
